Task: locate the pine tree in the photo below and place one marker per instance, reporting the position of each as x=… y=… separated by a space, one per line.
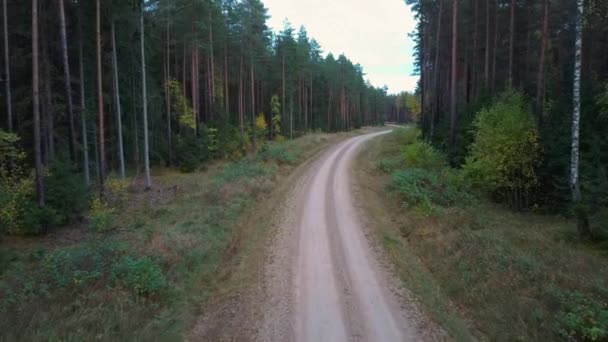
x=68 y=82
x=36 y=107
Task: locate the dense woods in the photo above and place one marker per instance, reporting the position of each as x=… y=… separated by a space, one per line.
x=551 y=52
x=100 y=89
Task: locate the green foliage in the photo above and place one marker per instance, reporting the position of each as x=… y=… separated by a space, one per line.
x=192 y=151
x=68 y=270
x=65 y=195
x=388 y=165
x=407 y=136
x=282 y=153
x=65 y=192
x=261 y=128
x=420 y=187
x=16 y=186
x=116 y=190
x=101 y=215
x=423 y=156
x=16 y=204
x=229 y=142
x=9 y=149
x=72 y=268
x=275 y=107
x=141 y=275
x=420 y=175
x=180 y=105
x=505 y=154
x=243 y=168
x=602 y=101
x=582 y=317
x=213 y=142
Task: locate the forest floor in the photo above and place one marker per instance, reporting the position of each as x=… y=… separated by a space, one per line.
x=481 y=271
x=192 y=246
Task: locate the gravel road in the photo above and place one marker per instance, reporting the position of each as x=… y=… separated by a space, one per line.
x=324 y=281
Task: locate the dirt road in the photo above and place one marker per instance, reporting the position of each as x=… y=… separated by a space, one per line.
x=325 y=282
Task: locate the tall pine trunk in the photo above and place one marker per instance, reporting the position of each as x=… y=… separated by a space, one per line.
x=283 y=108
x=194 y=86
x=241 y=105
x=68 y=82
x=486 y=69
x=435 y=110
x=48 y=103
x=101 y=141
x=312 y=118
x=330 y=96
x=583 y=223
x=454 y=74
x=473 y=70
x=167 y=94
x=121 y=156
x=253 y=127
x=495 y=48
x=424 y=75
x=511 y=43
x=540 y=79
x=36 y=106
x=7 y=70
x=145 y=102
x=83 y=118
x=212 y=66
x=226 y=82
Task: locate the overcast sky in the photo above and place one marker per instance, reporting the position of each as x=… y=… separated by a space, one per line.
x=373 y=33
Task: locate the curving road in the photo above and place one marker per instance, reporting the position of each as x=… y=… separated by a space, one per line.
x=333 y=288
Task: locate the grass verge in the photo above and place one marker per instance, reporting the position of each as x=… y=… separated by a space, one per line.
x=150 y=268
x=482 y=271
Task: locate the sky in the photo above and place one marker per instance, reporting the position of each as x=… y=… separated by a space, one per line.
x=373 y=33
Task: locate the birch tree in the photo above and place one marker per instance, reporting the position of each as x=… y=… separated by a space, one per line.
x=575 y=187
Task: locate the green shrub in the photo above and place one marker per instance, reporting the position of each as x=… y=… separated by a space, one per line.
x=282 y=153
x=101 y=216
x=65 y=192
x=191 y=151
x=19 y=212
x=420 y=187
x=139 y=274
x=407 y=136
x=388 y=165
x=582 y=317
x=213 y=142
x=229 y=141
x=244 y=168
x=16 y=202
x=422 y=155
x=261 y=128
x=505 y=154
x=48 y=273
x=72 y=268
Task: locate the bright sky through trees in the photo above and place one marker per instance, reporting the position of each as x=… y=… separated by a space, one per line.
x=372 y=33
